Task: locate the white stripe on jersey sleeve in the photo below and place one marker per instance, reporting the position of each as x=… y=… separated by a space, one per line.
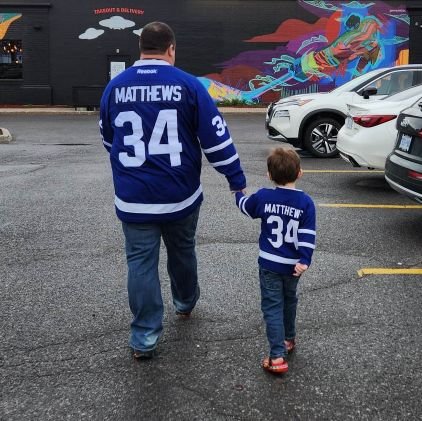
x=278 y=259
x=228 y=142
x=226 y=162
x=108 y=144
x=241 y=205
x=243 y=209
x=306 y=231
x=242 y=199
x=308 y=245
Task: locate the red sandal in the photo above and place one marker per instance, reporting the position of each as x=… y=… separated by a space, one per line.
x=290 y=345
x=277 y=368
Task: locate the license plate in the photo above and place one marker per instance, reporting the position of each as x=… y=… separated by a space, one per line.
x=349 y=122
x=405 y=142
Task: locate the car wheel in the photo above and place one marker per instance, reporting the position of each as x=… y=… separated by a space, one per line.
x=321 y=137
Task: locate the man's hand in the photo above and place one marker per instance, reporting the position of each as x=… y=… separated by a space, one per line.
x=243 y=191
x=299 y=269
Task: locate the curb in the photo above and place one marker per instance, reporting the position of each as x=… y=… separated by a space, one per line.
x=242 y=110
x=58 y=111
x=72 y=111
x=5 y=136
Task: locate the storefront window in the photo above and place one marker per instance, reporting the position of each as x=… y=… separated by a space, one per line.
x=11 y=59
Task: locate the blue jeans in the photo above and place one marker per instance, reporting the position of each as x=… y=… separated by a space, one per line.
x=144 y=290
x=278 y=305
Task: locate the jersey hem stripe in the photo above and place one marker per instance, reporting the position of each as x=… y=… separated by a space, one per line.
x=277 y=259
x=157 y=208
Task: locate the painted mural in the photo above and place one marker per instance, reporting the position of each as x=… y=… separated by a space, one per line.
x=6 y=19
x=347 y=40
x=115 y=22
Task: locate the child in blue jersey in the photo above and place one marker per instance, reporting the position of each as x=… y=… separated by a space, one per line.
x=286 y=244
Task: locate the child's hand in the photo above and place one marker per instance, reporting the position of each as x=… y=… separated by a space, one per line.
x=299 y=269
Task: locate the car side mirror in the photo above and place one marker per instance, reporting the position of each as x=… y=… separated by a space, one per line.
x=370 y=90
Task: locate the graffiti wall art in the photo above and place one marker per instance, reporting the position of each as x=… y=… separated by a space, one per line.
x=344 y=39
x=115 y=22
x=347 y=40
x=6 y=19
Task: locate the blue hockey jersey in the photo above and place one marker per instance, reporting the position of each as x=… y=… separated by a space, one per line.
x=287 y=226
x=155 y=121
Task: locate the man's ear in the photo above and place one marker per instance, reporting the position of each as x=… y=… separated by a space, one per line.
x=269 y=176
x=171 y=53
x=300 y=173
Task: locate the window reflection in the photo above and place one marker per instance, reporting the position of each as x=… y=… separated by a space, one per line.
x=11 y=53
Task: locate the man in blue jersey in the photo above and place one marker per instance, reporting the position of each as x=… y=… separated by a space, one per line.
x=156 y=121
x=286 y=244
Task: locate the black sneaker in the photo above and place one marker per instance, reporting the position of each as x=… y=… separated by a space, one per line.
x=143 y=355
x=183 y=315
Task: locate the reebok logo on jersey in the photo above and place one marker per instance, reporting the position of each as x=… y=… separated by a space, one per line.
x=146 y=71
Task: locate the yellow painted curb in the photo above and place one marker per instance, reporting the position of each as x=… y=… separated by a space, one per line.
x=362 y=205
x=386 y=271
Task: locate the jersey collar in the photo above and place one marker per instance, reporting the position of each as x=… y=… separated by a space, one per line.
x=287 y=188
x=151 y=62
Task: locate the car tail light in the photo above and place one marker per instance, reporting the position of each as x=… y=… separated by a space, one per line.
x=372 y=120
x=415 y=175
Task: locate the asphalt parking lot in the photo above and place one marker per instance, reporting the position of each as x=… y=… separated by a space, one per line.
x=64 y=315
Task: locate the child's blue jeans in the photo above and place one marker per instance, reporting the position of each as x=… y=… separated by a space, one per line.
x=278 y=305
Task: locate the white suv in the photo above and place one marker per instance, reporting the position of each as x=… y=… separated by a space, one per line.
x=312 y=121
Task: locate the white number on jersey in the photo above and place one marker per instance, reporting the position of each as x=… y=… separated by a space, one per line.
x=166 y=119
x=220 y=124
x=290 y=236
x=173 y=147
x=135 y=139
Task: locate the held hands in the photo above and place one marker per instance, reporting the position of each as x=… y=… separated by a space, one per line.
x=299 y=269
x=243 y=191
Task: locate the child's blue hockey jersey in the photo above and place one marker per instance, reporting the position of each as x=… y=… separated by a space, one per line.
x=287 y=227
x=156 y=121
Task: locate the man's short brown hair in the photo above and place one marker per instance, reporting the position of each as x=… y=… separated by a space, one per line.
x=156 y=38
x=283 y=166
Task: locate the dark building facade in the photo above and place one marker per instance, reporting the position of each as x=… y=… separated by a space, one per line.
x=63 y=53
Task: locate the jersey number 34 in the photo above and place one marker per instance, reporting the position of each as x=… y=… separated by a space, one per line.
x=165 y=119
